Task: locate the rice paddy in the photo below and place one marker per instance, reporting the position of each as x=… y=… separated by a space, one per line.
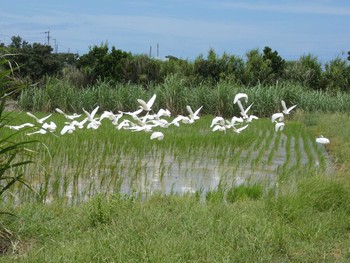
x=191 y=159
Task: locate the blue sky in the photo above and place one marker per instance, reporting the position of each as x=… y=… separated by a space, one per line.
x=183 y=28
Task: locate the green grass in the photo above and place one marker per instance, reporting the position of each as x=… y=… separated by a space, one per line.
x=301 y=216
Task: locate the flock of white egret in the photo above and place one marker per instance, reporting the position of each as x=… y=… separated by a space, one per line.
x=148 y=122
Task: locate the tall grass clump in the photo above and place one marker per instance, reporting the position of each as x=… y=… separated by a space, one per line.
x=14 y=154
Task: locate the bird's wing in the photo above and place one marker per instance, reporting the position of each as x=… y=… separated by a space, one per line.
x=94 y=112
x=198 y=110
x=284 y=105
x=60 y=111
x=240 y=106
x=189 y=109
x=143 y=104
x=248 y=108
x=31 y=115
x=151 y=101
x=292 y=107
x=43 y=119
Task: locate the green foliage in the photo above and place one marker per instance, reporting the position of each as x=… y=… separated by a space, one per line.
x=244 y=192
x=307 y=71
x=105 y=64
x=9 y=148
x=337 y=76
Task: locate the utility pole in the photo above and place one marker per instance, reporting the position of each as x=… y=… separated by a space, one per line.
x=56 y=46
x=150 y=51
x=157 y=50
x=48 y=37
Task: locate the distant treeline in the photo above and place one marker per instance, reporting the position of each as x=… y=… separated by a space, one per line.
x=266 y=67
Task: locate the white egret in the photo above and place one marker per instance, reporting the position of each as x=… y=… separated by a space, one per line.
x=244 y=111
x=41 y=120
x=125 y=123
x=250 y=118
x=240 y=96
x=69 y=117
x=91 y=115
x=94 y=124
x=157 y=135
x=18 y=127
x=133 y=114
x=51 y=127
x=161 y=123
x=183 y=119
x=41 y=131
x=79 y=124
x=322 y=140
x=239 y=129
x=285 y=109
x=163 y=113
x=69 y=128
x=217 y=120
x=218 y=127
x=276 y=116
x=279 y=126
x=193 y=115
x=233 y=121
x=147 y=106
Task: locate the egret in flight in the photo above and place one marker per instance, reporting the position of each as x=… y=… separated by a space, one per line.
x=147 y=106
x=240 y=96
x=193 y=115
x=41 y=121
x=285 y=109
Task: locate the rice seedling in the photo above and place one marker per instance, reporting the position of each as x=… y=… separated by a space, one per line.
x=78 y=166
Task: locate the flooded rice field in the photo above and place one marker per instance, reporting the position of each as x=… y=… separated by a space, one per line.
x=76 y=173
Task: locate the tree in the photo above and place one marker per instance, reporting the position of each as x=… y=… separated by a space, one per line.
x=275 y=62
x=100 y=63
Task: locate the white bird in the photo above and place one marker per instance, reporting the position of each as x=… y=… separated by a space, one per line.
x=239 y=129
x=276 y=116
x=217 y=120
x=250 y=118
x=279 y=126
x=133 y=114
x=322 y=140
x=69 y=128
x=18 y=127
x=51 y=127
x=193 y=115
x=183 y=119
x=41 y=131
x=91 y=115
x=163 y=113
x=41 y=120
x=244 y=111
x=79 y=124
x=285 y=109
x=233 y=121
x=157 y=135
x=147 y=106
x=94 y=124
x=125 y=123
x=161 y=123
x=219 y=128
x=240 y=96
x=69 y=117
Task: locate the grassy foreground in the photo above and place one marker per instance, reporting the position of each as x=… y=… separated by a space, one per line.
x=309 y=225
